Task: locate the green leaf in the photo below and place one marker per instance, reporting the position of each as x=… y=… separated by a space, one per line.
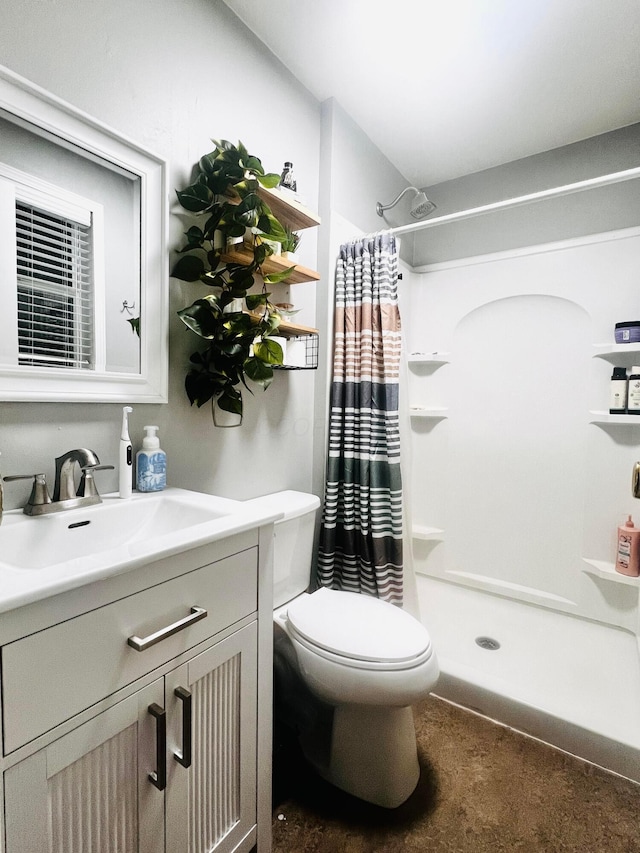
x=218 y=182
x=248 y=218
x=269 y=180
x=230 y=400
x=242 y=278
x=212 y=222
x=260 y=253
x=276 y=277
x=256 y=299
x=214 y=260
x=195 y=198
x=237 y=323
x=274 y=230
x=195 y=238
x=268 y=351
x=255 y=165
x=249 y=202
x=188 y=268
x=202 y=317
x=235 y=229
x=214 y=279
x=242 y=151
x=225 y=298
x=200 y=387
x=207 y=163
x=248 y=185
x=135 y=325
x=273 y=322
x=263 y=223
x=258 y=371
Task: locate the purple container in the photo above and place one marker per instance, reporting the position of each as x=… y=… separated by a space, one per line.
x=628 y=333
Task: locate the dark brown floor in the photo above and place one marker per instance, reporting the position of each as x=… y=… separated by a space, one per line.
x=483 y=789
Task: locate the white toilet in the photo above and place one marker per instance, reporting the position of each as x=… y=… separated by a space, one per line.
x=367 y=659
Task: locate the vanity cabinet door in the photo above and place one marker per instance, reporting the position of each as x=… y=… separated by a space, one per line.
x=211 y=804
x=89 y=791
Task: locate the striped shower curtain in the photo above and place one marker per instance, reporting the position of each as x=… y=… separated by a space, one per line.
x=361 y=535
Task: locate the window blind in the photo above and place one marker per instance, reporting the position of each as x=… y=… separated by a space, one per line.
x=55 y=292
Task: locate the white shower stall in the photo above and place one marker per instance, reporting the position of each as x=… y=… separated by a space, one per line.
x=519 y=479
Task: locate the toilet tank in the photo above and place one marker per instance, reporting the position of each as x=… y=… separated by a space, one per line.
x=293 y=544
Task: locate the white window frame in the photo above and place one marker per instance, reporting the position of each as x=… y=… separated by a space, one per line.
x=26 y=103
x=19 y=187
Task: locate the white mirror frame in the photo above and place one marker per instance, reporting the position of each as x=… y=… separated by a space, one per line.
x=38 y=107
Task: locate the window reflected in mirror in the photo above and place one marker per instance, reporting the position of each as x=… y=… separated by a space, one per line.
x=83 y=282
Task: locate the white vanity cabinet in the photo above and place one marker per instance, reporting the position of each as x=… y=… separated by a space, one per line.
x=109 y=748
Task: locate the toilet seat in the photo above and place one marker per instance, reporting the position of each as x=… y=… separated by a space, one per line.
x=358 y=631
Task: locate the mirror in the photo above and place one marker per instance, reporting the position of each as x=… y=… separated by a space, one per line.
x=83 y=266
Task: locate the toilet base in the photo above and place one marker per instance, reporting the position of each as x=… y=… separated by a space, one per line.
x=373 y=754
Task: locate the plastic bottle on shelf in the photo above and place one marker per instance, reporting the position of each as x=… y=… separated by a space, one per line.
x=628 y=549
x=633 y=395
x=618 y=391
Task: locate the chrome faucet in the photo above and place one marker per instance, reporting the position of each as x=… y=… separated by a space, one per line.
x=65 y=485
x=65 y=495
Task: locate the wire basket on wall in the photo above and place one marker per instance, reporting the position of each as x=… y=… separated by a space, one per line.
x=309 y=359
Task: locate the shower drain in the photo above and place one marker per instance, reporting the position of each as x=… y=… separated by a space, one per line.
x=488 y=643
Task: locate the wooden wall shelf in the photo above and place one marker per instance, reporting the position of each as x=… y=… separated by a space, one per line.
x=274 y=263
x=288 y=210
x=288 y=330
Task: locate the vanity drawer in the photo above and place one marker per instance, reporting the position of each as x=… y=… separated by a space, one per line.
x=49 y=676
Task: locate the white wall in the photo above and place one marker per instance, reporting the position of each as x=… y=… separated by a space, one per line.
x=522 y=483
x=172 y=75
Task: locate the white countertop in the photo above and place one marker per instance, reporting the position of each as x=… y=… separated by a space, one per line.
x=36 y=553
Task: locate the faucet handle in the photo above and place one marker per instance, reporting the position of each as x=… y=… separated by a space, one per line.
x=39 y=493
x=87 y=487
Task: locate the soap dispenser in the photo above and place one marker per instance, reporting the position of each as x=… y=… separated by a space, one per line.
x=151 y=463
x=628 y=549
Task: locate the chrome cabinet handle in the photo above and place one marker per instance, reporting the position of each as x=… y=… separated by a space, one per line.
x=184 y=757
x=159 y=775
x=140 y=644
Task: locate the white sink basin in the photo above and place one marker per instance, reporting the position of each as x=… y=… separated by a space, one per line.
x=44 y=555
x=38 y=542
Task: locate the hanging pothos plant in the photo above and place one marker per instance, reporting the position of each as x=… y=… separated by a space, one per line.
x=237 y=342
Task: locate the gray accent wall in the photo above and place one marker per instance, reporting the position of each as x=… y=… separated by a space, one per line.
x=576 y=215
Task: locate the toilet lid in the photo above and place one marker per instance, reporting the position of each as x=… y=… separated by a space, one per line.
x=359 y=627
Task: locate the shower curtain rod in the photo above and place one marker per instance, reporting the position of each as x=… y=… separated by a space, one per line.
x=554 y=192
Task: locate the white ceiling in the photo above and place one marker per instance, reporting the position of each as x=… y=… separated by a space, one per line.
x=450 y=87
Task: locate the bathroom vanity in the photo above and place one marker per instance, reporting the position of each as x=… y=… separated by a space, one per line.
x=136 y=699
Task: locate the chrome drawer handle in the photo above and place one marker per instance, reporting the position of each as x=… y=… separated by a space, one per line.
x=142 y=643
x=184 y=757
x=159 y=775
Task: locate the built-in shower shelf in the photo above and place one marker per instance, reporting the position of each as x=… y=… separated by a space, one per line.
x=602 y=569
x=614 y=350
x=428 y=358
x=606 y=418
x=423 y=531
x=428 y=412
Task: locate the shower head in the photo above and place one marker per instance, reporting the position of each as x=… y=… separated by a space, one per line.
x=420 y=207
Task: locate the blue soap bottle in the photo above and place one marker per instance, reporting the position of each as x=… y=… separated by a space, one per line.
x=151 y=463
